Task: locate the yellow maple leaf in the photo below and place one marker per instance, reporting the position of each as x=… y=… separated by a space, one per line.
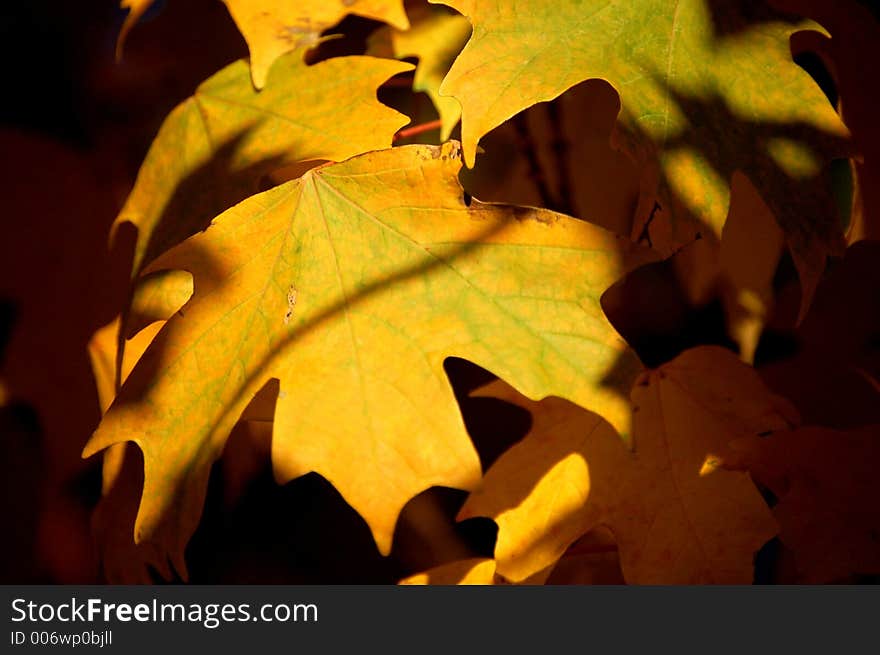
x=273 y=28
x=213 y=149
x=474 y=571
x=351 y=286
x=435 y=38
x=705 y=91
x=155 y=298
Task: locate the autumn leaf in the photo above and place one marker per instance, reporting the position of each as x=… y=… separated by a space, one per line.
x=136 y=9
x=826 y=483
x=475 y=571
x=435 y=38
x=738 y=270
x=351 y=286
x=103 y=356
x=122 y=560
x=829 y=376
x=154 y=299
x=855 y=34
x=558 y=154
x=272 y=28
x=215 y=147
x=748 y=257
x=706 y=90
x=677 y=518
x=592 y=559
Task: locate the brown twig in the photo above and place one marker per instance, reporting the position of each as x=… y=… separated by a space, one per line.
x=417 y=129
x=560 y=148
x=527 y=146
x=645 y=234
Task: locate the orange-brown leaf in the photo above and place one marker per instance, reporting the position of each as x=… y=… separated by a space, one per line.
x=827 y=485
x=676 y=517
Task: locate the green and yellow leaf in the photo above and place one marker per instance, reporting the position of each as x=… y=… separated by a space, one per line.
x=155 y=298
x=435 y=38
x=706 y=90
x=273 y=28
x=214 y=149
x=351 y=286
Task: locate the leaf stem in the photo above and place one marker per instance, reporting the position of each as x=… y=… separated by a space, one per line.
x=527 y=146
x=417 y=129
x=560 y=149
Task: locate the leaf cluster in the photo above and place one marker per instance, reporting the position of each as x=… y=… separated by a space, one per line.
x=306 y=267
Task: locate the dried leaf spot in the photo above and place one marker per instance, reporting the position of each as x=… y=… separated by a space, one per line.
x=300 y=35
x=449 y=150
x=530 y=214
x=453 y=149
x=292 y=294
x=545 y=218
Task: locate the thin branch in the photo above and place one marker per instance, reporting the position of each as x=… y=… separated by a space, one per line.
x=417 y=129
x=527 y=146
x=646 y=235
x=560 y=149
